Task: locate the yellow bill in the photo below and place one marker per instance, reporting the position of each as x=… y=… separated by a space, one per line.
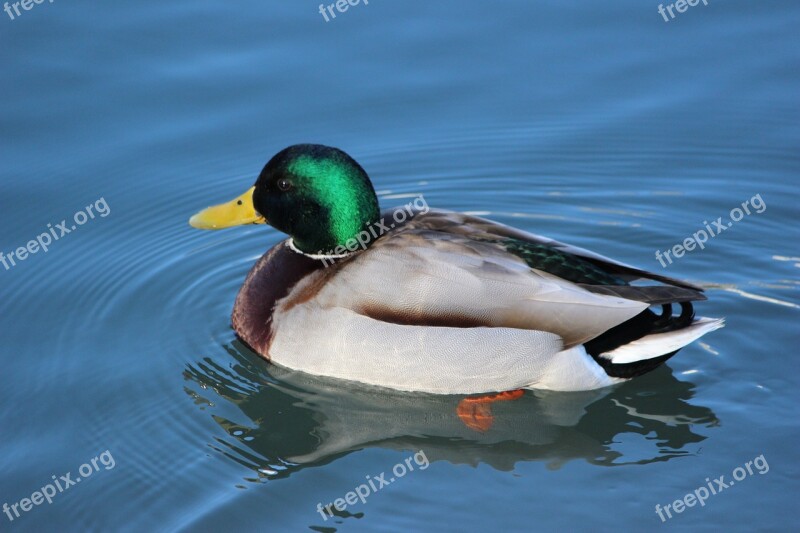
x=237 y=212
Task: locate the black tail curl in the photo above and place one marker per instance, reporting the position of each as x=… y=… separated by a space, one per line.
x=645 y=323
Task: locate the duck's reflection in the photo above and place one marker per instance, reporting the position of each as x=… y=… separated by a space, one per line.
x=279 y=421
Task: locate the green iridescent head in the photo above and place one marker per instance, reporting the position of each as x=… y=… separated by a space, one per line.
x=316 y=194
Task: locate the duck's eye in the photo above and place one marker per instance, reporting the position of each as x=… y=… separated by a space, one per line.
x=284 y=184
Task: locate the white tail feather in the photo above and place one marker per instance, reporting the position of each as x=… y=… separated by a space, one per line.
x=658 y=344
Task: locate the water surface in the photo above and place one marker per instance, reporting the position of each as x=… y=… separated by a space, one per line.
x=598 y=124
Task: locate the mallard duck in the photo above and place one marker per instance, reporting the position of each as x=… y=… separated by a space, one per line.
x=419 y=299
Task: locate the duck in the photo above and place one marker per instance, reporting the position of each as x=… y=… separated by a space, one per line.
x=432 y=301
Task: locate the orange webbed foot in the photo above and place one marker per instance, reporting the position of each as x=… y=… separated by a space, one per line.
x=476 y=412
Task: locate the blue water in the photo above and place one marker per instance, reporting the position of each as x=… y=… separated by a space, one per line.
x=595 y=123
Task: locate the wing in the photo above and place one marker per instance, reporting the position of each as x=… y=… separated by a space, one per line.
x=449 y=270
x=547 y=254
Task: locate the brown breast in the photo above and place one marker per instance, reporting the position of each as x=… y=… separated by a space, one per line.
x=271 y=278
